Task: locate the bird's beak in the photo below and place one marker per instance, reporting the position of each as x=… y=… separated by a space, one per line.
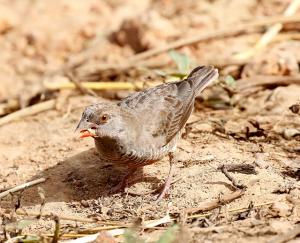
x=86 y=129
x=87 y=133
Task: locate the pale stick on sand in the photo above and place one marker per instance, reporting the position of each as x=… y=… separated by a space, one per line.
x=28 y=111
x=270 y=34
x=21 y=187
x=116 y=232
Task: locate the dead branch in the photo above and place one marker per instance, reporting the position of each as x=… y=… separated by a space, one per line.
x=231 y=178
x=67 y=217
x=240 y=168
x=28 y=111
x=101 y=85
x=79 y=86
x=56 y=229
x=271 y=32
x=266 y=81
x=212 y=204
x=235 y=210
x=22 y=187
x=229 y=31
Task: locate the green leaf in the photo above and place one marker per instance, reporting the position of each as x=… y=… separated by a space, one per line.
x=19 y=225
x=31 y=239
x=169 y=235
x=182 y=61
x=229 y=80
x=131 y=238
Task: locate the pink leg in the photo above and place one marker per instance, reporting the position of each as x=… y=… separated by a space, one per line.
x=168 y=181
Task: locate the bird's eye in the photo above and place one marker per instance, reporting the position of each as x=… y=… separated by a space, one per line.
x=104 y=118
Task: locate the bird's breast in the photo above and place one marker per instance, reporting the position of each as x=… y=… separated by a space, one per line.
x=134 y=156
x=108 y=148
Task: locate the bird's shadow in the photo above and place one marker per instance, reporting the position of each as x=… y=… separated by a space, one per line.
x=80 y=177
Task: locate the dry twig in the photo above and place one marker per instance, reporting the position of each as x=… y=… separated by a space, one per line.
x=56 y=229
x=79 y=86
x=240 y=210
x=28 y=111
x=230 y=31
x=68 y=217
x=212 y=204
x=265 y=81
x=240 y=168
x=21 y=187
x=229 y=177
x=101 y=85
x=271 y=32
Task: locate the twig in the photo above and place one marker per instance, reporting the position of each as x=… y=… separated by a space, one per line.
x=67 y=217
x=22 y=187
x=230 y=31
x=28 y=111
x=116 y=232
x=240 y=168
x=212 y=204
x=241 y=209
x=229 y=177
x=56 y=229
x=99 y=228
x=67 y=235
x=291 y=234
x=100 y=85
x=266 y=80
x=271 y=32
x=41 y=193
x=78 y=85
x=220 y=63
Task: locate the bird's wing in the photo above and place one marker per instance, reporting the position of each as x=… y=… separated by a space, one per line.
x=164 y=109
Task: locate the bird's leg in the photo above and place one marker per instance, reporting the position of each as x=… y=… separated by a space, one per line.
x=120 y=187
x=167 y=183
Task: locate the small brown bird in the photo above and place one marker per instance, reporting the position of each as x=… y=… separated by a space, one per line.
x=144 y=127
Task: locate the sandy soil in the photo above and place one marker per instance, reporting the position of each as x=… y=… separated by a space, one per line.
x=78 y=183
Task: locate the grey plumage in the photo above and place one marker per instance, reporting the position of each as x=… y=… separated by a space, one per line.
x=145 y=126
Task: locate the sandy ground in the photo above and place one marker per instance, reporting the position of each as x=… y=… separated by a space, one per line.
x=78 y=183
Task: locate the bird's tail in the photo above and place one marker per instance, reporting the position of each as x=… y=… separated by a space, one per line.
x=202 y=76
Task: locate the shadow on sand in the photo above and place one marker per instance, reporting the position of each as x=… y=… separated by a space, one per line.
x=80 y=177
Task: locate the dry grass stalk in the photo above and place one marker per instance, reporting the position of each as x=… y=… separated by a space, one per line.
x=102 y=85
x=212 y=204
x=22 y=187
x=271 y=32
x=266 y=80
x=230 y=31
x=28 y=111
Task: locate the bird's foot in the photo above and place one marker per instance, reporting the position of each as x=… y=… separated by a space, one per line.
x=166 y=186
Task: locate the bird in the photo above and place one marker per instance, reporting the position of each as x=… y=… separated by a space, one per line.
x=144 y=127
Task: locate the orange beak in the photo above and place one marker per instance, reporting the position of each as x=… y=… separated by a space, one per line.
x=87 y=133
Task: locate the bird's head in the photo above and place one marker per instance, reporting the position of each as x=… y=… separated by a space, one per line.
x=101 y=120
